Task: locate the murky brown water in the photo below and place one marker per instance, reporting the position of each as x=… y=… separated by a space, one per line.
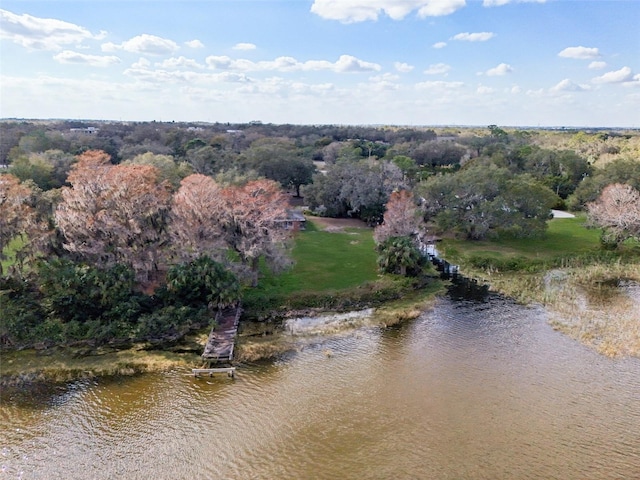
x=469 y=391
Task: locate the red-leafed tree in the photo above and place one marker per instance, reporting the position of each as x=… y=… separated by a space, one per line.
x=617 y=211
x=115 y=214
x=252 y=218
x=195 y=218
x=398 y=237
x=401 y=218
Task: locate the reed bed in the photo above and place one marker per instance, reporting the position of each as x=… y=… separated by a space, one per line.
x=594 y=304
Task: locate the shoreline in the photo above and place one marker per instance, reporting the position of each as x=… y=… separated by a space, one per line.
x=596 y=305
x=257 y=341
x=566 y=294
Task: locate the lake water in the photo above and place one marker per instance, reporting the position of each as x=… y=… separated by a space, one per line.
x=473 y=389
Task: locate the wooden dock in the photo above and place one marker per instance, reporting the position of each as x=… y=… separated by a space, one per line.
x=218 y=351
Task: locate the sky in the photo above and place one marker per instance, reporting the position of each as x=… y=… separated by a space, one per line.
x=571 y=63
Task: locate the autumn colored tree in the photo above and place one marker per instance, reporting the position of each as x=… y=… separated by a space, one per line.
x=401 y=218
x=115 y=214
x=195 y=218
x=252 y=217
x=16 y=215
x=617 y=211
x=398 y=237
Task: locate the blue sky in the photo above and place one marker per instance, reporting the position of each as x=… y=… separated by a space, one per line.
x=401 y=62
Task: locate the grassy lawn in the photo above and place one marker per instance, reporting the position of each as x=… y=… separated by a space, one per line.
x=564 y=237
x=326 y=261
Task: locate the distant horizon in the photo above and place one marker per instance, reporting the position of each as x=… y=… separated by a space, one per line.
x=373 y=125
x=325 y=62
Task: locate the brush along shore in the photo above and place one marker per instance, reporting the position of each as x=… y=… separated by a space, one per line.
x=258 y=340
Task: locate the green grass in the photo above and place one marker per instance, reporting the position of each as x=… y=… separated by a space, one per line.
x=565 y=237
x=326 y=261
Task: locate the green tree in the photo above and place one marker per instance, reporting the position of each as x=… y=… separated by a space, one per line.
x=482 y=200
x=48 y=169
x=358 y=189
x=399 y=255
x=625 y=171
x=168 y=168
x=280 y=160
x=203 y=281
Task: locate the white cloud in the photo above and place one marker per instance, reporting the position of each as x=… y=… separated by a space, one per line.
x=437 y=69
x=403 y=67
x=42 y=33
x=350 y=11
x=348 y=63
x=144 y=44
x=75 y=58
x=194 y=44
x=500 y=70
x=634 y=82
x=439 y=85
x=244 y=46
x=567 y=85
x=474 y=37
x=345 y=64
x=439 y=44
x=179 y=62
x=516 y=89
x=141 y=71
x=385 y=77
x=580 y=53
x=597 y=65
x=484 y=90
x=141 y=63
x=384 y=82
x=499 y=3
x=617 y=76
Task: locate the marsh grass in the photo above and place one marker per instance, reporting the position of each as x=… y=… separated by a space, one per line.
x=586 y=303
x=27 y=366
x=595 y=307
x=568 y=273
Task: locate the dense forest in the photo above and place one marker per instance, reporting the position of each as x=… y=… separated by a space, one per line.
x=137 y=230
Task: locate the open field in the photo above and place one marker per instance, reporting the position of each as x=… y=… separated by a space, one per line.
x=565 y=237
x=331 y=254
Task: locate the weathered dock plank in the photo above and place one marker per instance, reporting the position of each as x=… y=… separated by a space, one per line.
x=221 y=341
x=230 y=371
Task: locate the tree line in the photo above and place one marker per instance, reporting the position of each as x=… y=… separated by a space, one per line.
x=145 y=226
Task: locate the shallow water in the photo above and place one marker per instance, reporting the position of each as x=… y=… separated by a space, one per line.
x=480 y=389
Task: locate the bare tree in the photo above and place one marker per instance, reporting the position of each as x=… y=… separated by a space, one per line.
x=617 y=211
